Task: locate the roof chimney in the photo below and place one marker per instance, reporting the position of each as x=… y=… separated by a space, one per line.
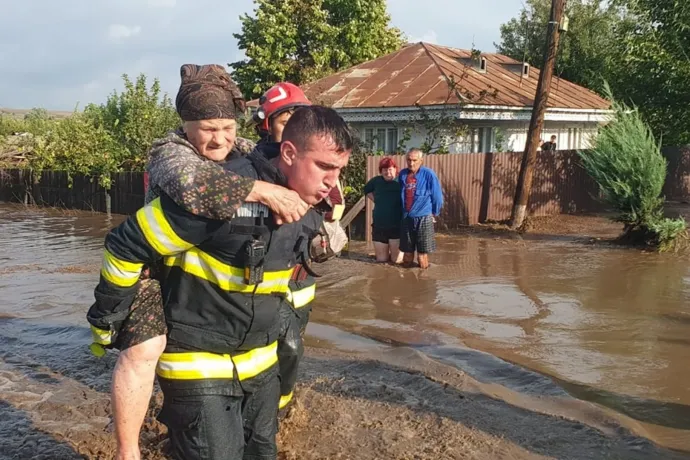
x=521 y=69
x=476 y=61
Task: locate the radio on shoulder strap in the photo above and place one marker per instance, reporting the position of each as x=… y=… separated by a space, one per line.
x=255 y=251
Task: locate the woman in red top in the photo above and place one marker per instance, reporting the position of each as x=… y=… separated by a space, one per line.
x=384 y=191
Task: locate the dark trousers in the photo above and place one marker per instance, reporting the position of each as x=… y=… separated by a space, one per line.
x=221 y=427
x=290 y=345
x=417 y=234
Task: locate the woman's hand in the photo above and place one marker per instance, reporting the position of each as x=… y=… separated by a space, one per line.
x=286 y=204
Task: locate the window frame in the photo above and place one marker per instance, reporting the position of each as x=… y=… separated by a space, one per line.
x=375 y=142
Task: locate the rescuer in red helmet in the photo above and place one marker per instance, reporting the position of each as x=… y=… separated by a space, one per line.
x=276 y=106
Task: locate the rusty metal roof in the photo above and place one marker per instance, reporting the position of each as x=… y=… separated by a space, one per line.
x=421 y=73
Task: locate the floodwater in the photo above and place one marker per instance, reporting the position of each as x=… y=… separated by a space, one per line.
x=545 y=318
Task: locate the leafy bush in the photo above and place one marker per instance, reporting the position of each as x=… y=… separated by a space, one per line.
x=74 y=144
x=135 y=118
x=246 y=129
x=10 y=125
x=627 y=164
x=101 y=140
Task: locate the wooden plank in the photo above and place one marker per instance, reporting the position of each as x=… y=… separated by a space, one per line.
x=352 y=213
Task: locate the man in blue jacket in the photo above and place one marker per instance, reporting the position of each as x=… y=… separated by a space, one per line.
x=422 y=199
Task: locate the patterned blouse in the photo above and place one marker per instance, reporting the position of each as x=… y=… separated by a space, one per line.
x=199 y=185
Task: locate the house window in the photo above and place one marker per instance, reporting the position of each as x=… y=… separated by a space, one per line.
x=476 y=140
x=382 y=139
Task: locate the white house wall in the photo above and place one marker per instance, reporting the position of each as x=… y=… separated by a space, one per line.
x=570 y=135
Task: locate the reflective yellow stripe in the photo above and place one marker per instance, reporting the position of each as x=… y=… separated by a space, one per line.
x=254 y=362
x=101 y=336
x=227 y=277
x=284 y=400
x=302 y=297
x=202 y=365
x=120 y=272
x=158 y=231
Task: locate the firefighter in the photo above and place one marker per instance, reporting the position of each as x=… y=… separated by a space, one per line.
x=276 y=107
x=185 y=166
x=224 y=284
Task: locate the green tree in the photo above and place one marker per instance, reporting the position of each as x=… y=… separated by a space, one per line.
x=589 y=52
x=303 y=40
x=627 y=163
x=363 y=31
x=642 y=47
x=106 y=138
x=135 y=118
x=656 y=67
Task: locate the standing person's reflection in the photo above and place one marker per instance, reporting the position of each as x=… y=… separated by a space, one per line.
x=404 y=298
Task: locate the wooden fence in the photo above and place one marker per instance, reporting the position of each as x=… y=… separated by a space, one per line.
x=52 y=188
x=480 y=187
x=477 y=187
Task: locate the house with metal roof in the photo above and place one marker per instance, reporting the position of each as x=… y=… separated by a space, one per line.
x=491 y=95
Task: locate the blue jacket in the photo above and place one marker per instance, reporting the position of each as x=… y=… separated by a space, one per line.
x=428 y=197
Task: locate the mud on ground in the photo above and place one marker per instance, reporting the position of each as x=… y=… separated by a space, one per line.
x=396 y=404
x=573 y=226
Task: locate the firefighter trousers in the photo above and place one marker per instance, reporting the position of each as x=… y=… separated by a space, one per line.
x=205 y=425
x=290 y=352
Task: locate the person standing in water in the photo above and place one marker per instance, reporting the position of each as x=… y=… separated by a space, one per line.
x=422 y=199
x=384 y=191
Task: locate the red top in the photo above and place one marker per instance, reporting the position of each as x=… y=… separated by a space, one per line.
x=410 y=187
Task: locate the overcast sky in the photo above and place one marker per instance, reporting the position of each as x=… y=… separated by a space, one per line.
x=60 y=53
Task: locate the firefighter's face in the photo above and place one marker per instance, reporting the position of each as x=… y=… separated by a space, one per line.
x=278 y=125
x=313 y=170
x=214 y=139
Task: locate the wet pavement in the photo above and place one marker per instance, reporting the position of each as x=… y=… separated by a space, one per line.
x=547 y=318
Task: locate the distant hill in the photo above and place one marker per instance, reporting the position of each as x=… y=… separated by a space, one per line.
x=19 y=113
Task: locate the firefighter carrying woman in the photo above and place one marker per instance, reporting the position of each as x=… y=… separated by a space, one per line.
x=229 y=238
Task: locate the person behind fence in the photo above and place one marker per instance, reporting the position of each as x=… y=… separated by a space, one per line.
x=422 y=199
x=384 y=190
x=185 y=166
x=223 y=286
x=549 y=146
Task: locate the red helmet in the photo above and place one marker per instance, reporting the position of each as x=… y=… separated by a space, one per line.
x=278 y=99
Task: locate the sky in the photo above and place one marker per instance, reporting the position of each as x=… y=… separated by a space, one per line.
x=64 y=54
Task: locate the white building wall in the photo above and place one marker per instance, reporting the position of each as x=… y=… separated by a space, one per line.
x=485 y=135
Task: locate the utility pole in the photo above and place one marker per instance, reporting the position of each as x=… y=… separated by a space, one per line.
x=529 y=158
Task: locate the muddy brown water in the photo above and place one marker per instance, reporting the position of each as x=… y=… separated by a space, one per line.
x=549 y=318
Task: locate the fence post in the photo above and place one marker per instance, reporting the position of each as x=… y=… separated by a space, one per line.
x=36 y=189
x=24 y=182
x=108 y=202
